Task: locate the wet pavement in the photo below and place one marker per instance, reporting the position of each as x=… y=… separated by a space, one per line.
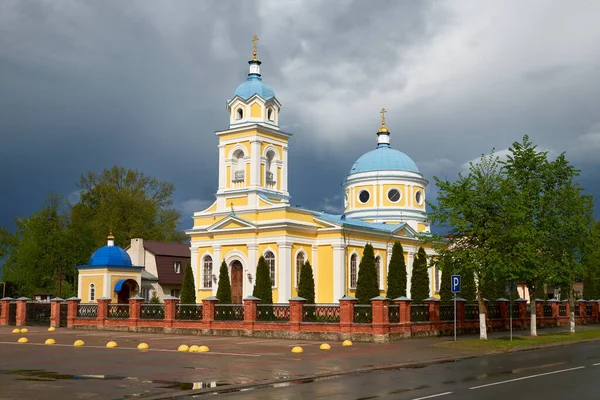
x=35 y=370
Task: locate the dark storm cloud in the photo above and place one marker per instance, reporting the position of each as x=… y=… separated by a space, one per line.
x=85 y=85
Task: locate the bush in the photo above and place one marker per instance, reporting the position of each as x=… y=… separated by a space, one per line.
x=224 y=288
x=262 y=288
x=306 y=287
x=419 y=284
x=396 y=285
x=188 y=289
x=366 y=286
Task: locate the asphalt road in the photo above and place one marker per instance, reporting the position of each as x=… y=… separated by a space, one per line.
x=567 y=372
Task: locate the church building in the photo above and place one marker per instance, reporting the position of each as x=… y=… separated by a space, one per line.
x=384 y=201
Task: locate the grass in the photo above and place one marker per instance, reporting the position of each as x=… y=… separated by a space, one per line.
x=505 y=344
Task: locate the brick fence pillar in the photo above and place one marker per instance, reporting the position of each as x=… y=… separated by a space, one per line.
x=208 y=311
x=250 y=313
x=539 y=309
x=22 y=311
x=296 y=310
x=580 y=303
x=347 y=314
x=434 y=308
x=460 y=309
x=567 y=308
x=102 y=313
x=55 y=312
x=522 y=304
x=72 y=308
x=170 y=310
x=595 y=311
x=4 y=306
x=554 y=304
x=135 y=311
x=403 y=308
x=380 y=319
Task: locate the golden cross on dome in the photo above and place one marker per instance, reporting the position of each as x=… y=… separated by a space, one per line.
x=254 y=40
x=383 y=111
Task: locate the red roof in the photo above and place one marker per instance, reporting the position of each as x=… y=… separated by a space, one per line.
x=166 y=254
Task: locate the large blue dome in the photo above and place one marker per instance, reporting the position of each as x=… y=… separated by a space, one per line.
x=254 y=85
x=110 y=256
x=384 y=159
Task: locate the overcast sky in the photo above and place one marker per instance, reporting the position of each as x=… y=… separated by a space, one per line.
x=85 y=85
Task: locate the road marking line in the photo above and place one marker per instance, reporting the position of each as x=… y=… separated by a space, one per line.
x=433 y=395
x=527 y=377
x=596 y=364
x=256 y=341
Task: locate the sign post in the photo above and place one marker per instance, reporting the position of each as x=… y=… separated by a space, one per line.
x=455 y=284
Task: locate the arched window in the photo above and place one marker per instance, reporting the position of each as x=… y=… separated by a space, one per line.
x=353 y=271
x=299 y=263
x=238 y=167
x=378 y=268
x=92 y=292
x=270 y=259
x=270 y=114
x=269 y=168
x=207 y=272
x=239 y=114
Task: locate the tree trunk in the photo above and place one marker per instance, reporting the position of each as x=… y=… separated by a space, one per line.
x=572 y=306
x=482 y=325
x=532 y=313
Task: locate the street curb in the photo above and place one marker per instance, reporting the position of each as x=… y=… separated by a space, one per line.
x=303 y=379
x=403 y=365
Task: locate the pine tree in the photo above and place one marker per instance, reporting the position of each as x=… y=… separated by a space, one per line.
x=188 y=289
x=447 y=266
x=419 y=284
x=396 y=285
x=154 y=299
x=262 y=288
x=224 y=288
x=366 y=285
x=306 y=287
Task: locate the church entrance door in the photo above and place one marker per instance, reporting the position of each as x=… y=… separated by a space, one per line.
x=236 y=282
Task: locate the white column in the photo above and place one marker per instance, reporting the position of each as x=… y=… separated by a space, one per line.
x=284 y=260
x=411 y=196
x=284 y=170
x=409 y=268
x=251 y=268
x=107 y=288
x=339 y=272
x=222 y=168
x=195 y=269
x=315 y=269
x=216 y=267
x=254 y=162
x=380 y=195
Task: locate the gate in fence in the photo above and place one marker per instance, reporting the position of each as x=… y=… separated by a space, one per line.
x=38 y=313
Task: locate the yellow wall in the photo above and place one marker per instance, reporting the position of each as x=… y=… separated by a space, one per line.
x=86 y=281
x=325 y=275
x=255 y=110
x=372 y=198
x=387 y=202
x=275 y=249
x=229 y=147
x=237 y=201
x=307 y=249
x=252 y=132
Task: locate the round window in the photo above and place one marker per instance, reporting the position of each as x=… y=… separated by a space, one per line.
x=346 y=200
x=394 y=195
x=419 y=197
x=364 y=196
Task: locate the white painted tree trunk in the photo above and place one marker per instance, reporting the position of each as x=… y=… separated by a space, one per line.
x=572 y=322
x=482 y=327
x=532 y=314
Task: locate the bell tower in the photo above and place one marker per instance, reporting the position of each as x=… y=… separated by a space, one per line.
x=253 y=156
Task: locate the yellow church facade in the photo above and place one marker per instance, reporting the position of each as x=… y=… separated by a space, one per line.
x=384 y=202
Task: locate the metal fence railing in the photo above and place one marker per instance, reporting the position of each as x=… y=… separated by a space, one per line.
x=547 y=310
x=189 y=312
x=363 y=314
x=494 y=311
x=447 y=312
x=321 y=313
x=152 y=311
x=394 y=313
x=118 y=311
x=273 y=312
x=87 y=311
x=562 y=310
x=419 y=312
x=471 y=311
x=229 y=312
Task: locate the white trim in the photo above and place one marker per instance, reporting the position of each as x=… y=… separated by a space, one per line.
x=339 y=271
x=295 y=265
x=420 y=203
x=387 y=195
x=201 y=270
x=381 y=276
x=315 y=266
x=90 y=287
x=285 y=255
x=358 y=196
x=268 y=248
x=271 y=147
x=236 y=147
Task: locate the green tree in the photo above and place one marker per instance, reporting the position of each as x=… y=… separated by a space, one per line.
x=188 y=288
x=419 y=283
x=468 y=290
x=472 y=210
x=306 y=287
x=447 y=266
x=224 y=288
x=154 y=298
x=262 y=288
x=396 y=285
x=366 y=285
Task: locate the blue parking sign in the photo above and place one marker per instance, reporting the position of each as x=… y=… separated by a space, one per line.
x=455 y=280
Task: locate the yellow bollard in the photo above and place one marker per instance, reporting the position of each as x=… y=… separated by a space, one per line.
x=79 y=343
x=183 y=348
x=203 y=349
x=143 y=346
x=49 y=341
x=111 y=345
x=347 y=343
x=325 y=346
x=297 y=349
x=194 y=349
x=23 y=340
x=51 y=329
x=24 y=330
x=16 y=330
